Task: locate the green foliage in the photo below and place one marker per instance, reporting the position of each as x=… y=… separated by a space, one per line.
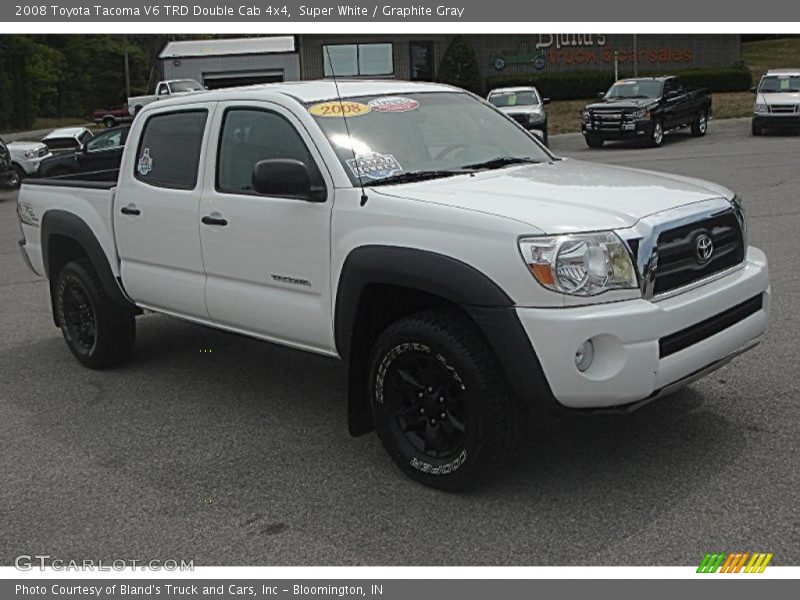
x=67 y=75
x=574 y=85
x=459 y=66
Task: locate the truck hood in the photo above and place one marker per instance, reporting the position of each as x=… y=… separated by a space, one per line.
x=565 y=196
x=522 y=110
x=779 y=98
x=26 y=146
x=621 y=104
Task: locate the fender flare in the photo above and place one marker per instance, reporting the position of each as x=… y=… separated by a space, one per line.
x=66 y=224
x=411 y=268
x=478 y=295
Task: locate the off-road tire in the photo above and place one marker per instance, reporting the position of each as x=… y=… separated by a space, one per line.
x=700 y=124
x=593 y=141
x=82 y=304
x=456 y=352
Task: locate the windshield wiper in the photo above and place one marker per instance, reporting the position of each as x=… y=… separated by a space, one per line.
x=503 y=161
x=413 y=176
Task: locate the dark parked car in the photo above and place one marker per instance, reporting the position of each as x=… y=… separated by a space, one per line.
x=644 y=108
x=5 y=165
x=100 y=153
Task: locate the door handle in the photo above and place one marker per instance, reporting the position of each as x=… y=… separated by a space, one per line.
x=214 y=219
x=130 y=209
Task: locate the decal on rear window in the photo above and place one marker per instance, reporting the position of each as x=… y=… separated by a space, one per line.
x=145 y=164
x=374 y=165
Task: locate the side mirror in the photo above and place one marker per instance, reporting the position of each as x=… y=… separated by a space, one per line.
x=754 y=89
x=545 y=100
x=601 y=95
x=671 y=94
x=285 y=177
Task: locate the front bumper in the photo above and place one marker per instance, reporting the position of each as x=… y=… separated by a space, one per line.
x=629 y=363
x=768 y=121
x=623 y=131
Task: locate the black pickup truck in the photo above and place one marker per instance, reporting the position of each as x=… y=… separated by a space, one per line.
x=5 y=164
x=644 y=108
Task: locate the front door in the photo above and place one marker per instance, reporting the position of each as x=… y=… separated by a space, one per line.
x=267 y=258
x=156 y=212
x=103 y=151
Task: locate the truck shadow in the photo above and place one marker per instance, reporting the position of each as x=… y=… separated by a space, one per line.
x=261 y=429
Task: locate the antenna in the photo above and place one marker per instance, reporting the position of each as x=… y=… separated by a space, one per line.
x=347 y=128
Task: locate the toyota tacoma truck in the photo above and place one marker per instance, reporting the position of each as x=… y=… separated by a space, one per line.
x=777 y=104
x=464 y=273
x=644 y=109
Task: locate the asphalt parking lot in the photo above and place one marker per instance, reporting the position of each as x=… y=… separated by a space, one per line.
x=239 y=454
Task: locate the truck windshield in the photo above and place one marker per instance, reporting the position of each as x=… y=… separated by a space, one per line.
x=187 y=85
x=779 y=83
x=633 y=88
x=523 y=98
x=421 y=135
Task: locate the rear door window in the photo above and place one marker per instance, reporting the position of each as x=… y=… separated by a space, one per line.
x=169 y=150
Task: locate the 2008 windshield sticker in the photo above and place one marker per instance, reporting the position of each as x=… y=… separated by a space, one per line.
x=335 y=108
x=393 y=104
x=145 y=164
x=374 y=166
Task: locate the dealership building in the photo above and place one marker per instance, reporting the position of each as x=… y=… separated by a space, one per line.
x=227 y=62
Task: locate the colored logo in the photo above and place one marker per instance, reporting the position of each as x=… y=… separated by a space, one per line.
x=735 y=562
x=145 y=163
x=393 y=104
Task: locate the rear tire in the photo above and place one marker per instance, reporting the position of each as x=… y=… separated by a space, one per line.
x=109 y=122
x=439 y=400
x=98 y=332
x=593 y=141
x=700 y=125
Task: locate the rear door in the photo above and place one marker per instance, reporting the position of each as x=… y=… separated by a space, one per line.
x=156 y=218
x=103 y=151
x=267 y=258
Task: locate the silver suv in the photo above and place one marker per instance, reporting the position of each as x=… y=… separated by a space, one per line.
x=777 y=103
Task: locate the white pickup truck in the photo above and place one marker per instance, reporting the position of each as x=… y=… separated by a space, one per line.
x=164 y=89
x=463 y=272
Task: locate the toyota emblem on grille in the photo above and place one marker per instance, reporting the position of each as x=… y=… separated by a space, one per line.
x=704 y=248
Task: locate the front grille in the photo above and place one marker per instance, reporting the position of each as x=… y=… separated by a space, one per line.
x=783 y=109
x=520 y=118
x=680 y=340
x=679 y=260
x=42 y=151
x=607 y=120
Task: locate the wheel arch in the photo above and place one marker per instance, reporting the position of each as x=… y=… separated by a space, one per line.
x=380 y=284
x=67 y=237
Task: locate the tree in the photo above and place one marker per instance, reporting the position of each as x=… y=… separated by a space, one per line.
x=459 y=66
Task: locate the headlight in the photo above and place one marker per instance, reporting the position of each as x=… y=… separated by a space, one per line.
x=30 y=154
x=586 y=116
x=580 y=264
x=760 y=108
x=535 y=117
x=639 y=115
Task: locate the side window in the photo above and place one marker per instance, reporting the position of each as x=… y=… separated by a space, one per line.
x=670 y=85
x=251 y=135
x=105 y=141
x=169 y=150
x=162 y=90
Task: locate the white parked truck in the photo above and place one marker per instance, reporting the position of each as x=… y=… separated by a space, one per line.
x=164 y=89
x=463 y=272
